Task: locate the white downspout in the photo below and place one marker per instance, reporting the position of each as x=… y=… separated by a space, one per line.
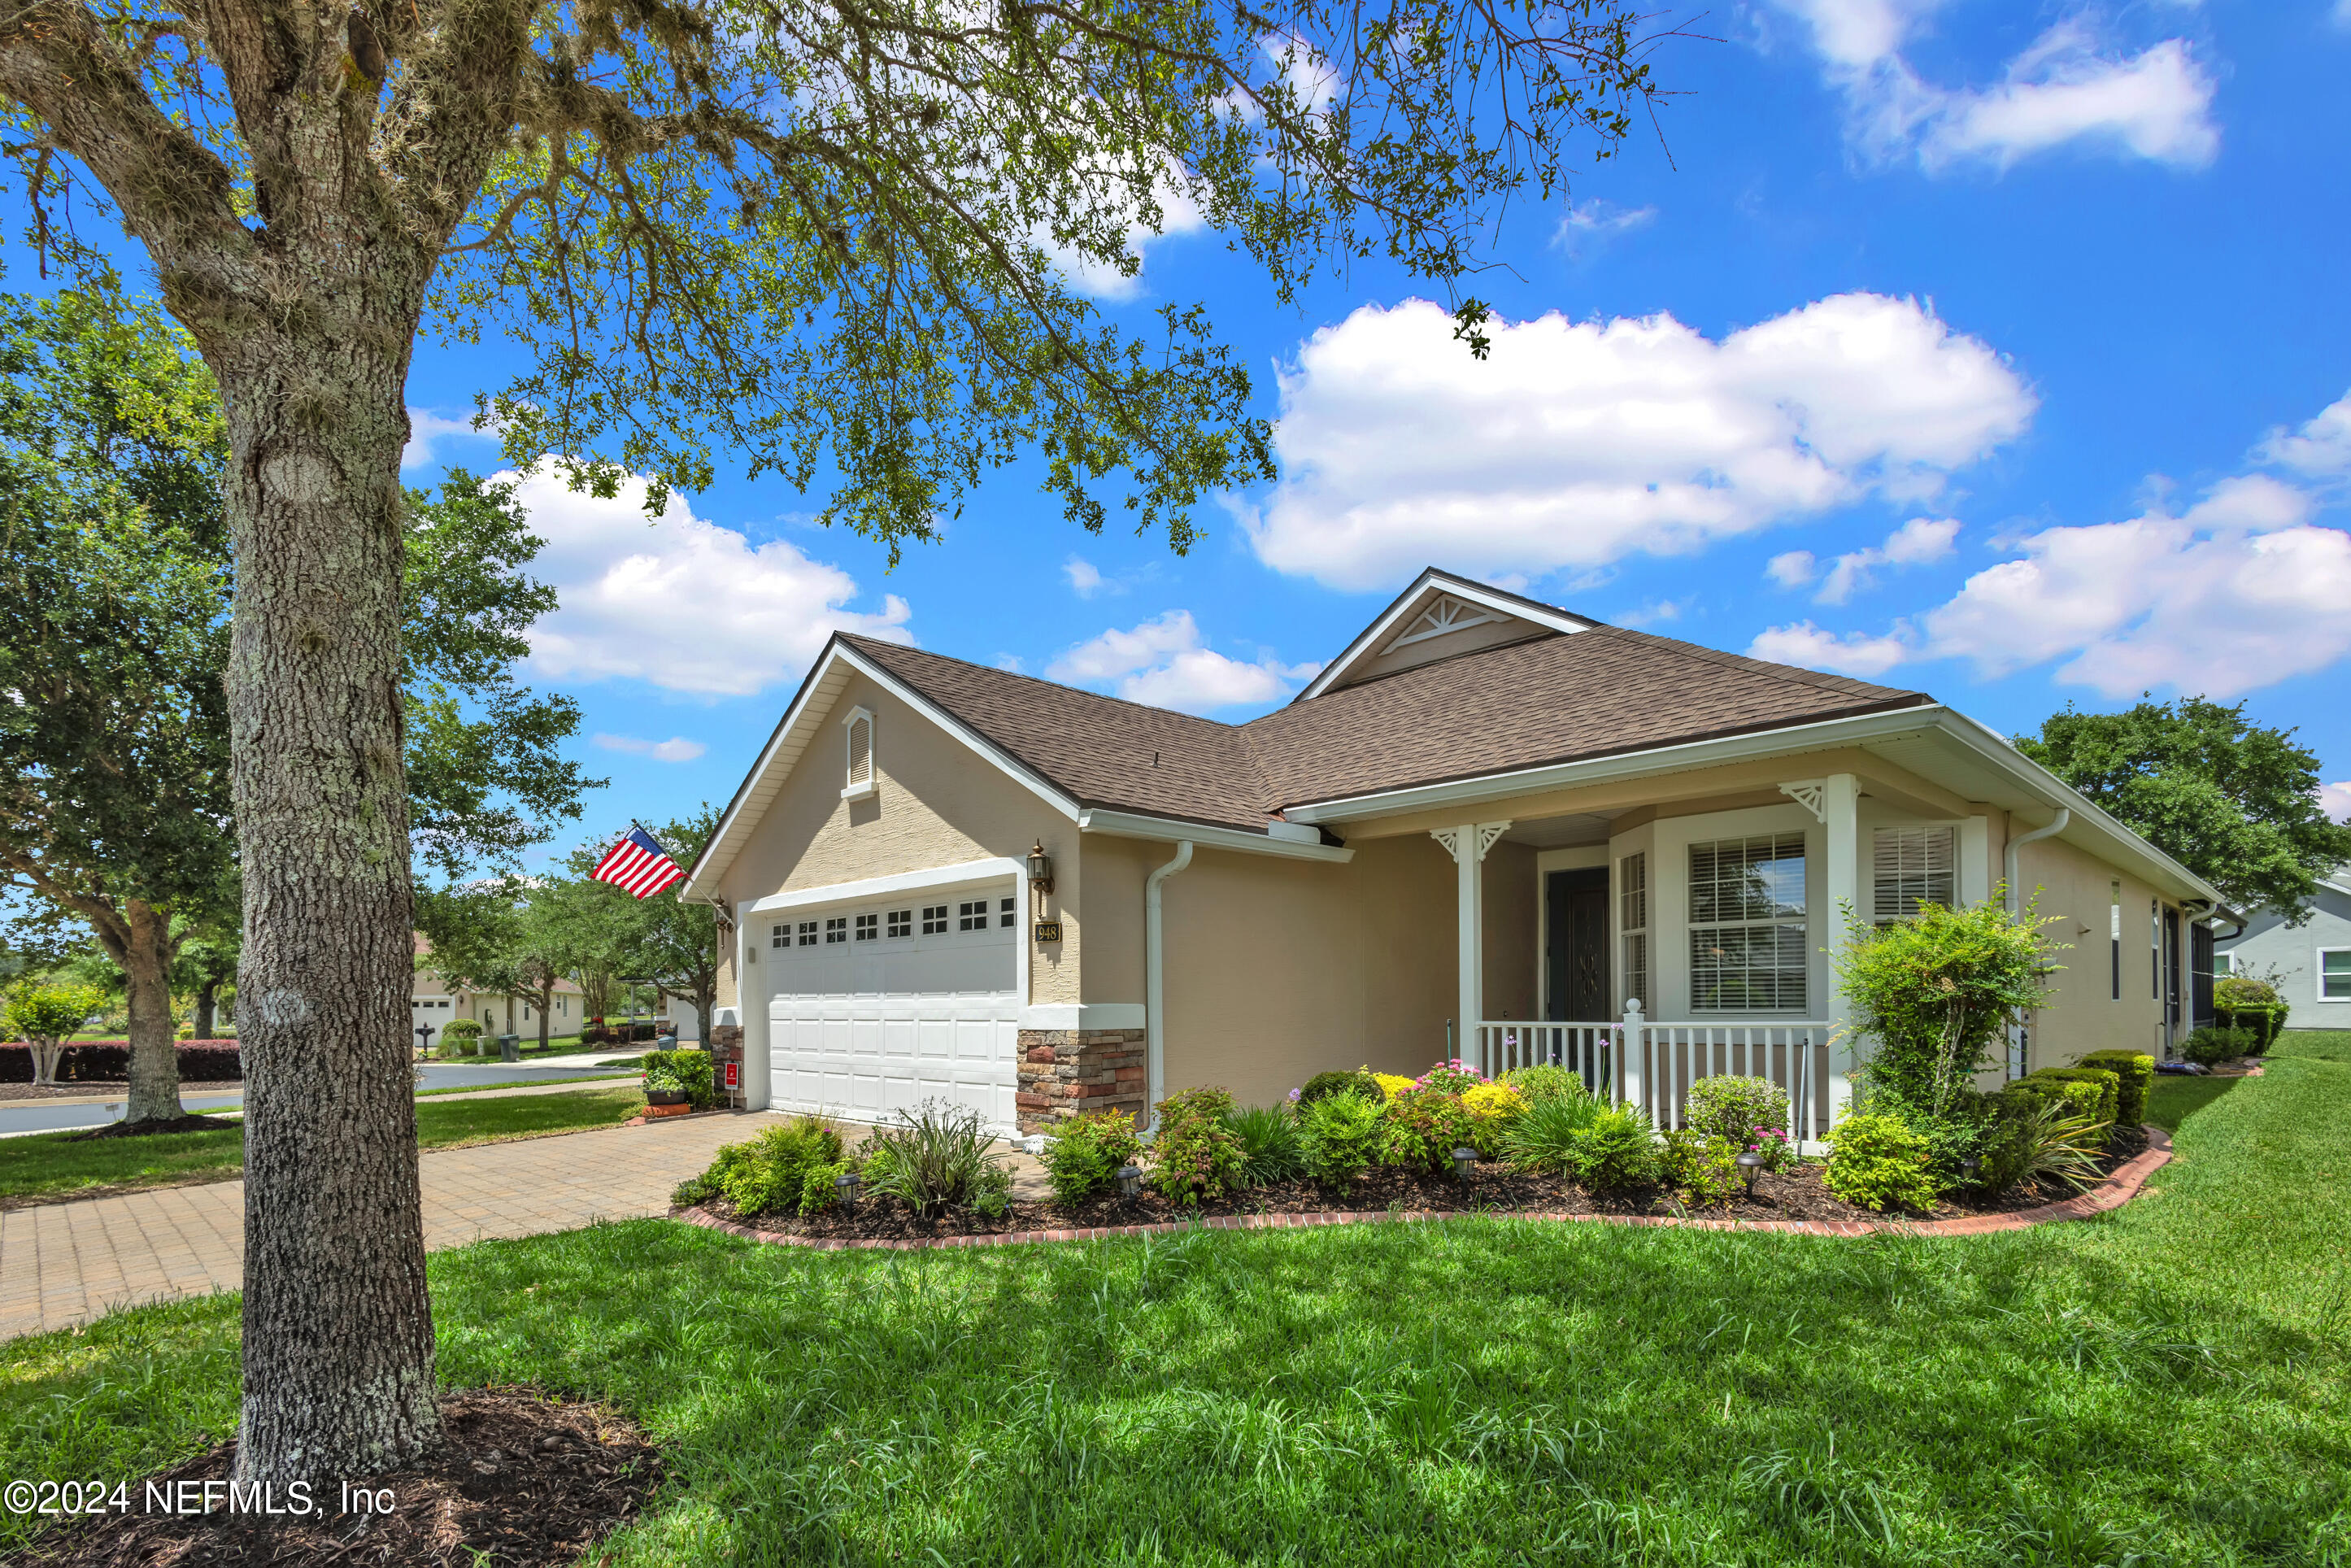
x=2015 y=899
x=1154 y=985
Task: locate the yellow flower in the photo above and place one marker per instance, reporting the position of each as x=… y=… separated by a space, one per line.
x=1392 y=1085
x=1493 y=1102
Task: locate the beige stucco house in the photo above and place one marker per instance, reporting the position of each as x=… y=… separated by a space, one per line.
x=432 y=999
x=1489 y=828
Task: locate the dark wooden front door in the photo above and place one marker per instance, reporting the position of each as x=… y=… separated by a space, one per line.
x=1575 y=954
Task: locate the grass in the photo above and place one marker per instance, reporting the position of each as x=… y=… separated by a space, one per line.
x=51 y=1164
x=518 y=1083
x=2167 y=1384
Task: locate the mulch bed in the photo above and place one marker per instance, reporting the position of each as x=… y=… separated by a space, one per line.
x=525 y=1479
x=1795 y=1194
x=151 y=1128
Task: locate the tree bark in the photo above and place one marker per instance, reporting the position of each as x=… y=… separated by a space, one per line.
x=207 y=1001
x=145 y=956
x=339 y=1375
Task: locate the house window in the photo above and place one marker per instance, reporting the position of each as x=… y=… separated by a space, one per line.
x=2335 y=973
x=869 y=927
x=1912 y=866
x=1747 y=930
x=972 y=915
x=902 y=923
x=1633 y=923
x=1005 y=915
x=2223 y=966
x=807 y=933
x=934 y=919
x=2155 y=948
x=836 y=929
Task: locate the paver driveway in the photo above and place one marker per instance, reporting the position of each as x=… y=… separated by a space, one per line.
x=65 y=1262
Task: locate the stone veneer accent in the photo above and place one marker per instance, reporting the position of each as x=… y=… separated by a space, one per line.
x=1065 y=1073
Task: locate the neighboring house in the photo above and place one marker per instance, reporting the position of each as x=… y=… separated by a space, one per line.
x=1488 y=827
x=432 y=1000
x=2312 y=959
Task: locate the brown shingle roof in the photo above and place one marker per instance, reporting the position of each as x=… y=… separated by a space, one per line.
x=1556 y=699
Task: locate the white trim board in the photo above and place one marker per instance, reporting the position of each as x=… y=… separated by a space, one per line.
x=1372 y=640
x=1081 y=1015
x=1169 y=830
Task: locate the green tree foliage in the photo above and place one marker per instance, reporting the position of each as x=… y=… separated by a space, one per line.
x=44 y=1016
x=2234 y=801
x=661 y=941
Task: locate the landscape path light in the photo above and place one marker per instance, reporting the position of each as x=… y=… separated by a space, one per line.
x=1464 y=1162
x=1130 y=1181
x=1751 y=1164
x=846 y=1184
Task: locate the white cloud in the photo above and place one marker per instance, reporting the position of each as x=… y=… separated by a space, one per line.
x=2069 y=85
x=1166 y=664
x=2334 y=800
x=1085 y=577
x=2322 y=448
x=1180 y=215
x=1587 y=226
x=429 y=435
x=676 y=749
x=1577 y=444
x=1807 y=646
x=1915 y=543
x=678 y=600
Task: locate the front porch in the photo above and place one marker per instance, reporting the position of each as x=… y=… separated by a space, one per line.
x=1645 y=946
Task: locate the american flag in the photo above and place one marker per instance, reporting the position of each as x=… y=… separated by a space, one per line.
x=639 y=863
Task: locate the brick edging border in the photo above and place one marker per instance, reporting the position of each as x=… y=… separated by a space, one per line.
x=2110 y=1194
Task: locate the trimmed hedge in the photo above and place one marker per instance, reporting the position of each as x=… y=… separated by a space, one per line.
x=2109 y=1085
x=2073 y=1097
x=2263 y=1020
x=2135 y=1071
x=693 y=1069
x=108 y=1062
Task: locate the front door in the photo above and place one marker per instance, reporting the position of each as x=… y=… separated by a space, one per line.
x=1575 y=957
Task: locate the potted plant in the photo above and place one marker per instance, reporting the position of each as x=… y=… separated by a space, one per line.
x=664 y=1087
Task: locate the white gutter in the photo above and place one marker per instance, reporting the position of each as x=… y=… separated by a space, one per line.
x=2016 y=899
x=1307 y=845
x=1154 y=985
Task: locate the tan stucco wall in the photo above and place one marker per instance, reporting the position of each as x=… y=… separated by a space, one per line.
x=2083 y=1015
x=1278 y=969
x=937 y=803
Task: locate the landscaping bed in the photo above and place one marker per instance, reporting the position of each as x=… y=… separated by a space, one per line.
x=1793 y=1194
x=524 y=1480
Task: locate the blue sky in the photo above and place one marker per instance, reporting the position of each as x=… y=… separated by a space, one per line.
x=1998 y=350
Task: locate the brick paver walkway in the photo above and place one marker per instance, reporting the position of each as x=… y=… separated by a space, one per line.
x=66 y=1262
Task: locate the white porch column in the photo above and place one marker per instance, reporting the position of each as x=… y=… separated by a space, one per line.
x=1468 y=845
x=751 y=1008
x=1840 y=885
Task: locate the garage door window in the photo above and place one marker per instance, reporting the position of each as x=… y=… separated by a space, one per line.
x=934 y=919
x=972 y=915
x=1005 y=915
x=869 y=927
x=836 y=929
x=902 y=923
x=807 y=933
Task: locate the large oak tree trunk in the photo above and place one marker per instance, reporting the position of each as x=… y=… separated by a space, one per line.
x=146 y=959
x=339 y=1375
x=207 y=1005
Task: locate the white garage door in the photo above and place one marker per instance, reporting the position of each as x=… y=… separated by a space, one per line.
x=880 y=1003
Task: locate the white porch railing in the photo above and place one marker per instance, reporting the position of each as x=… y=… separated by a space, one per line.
x=1652 y=1064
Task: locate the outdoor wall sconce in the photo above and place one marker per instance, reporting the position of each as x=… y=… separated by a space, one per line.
x=1130 y=1181
x=1040 y=868
x=1464 y=1162
x=847 y=1184
x=1750 y=1165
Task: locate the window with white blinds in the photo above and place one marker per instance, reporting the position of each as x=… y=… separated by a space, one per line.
x=1748 y=946
x=1910 y=866
x=1632 y=928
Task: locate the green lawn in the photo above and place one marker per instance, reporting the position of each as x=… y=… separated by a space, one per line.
x=2167 y=1385
x=518 y=1083
x=52 y=1162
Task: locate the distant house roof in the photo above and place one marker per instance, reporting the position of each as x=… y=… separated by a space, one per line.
x=1556 y=698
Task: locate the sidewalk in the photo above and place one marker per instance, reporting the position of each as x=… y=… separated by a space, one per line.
x=63 y=1263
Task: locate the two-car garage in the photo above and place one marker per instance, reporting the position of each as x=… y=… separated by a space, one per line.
x=881 y=1001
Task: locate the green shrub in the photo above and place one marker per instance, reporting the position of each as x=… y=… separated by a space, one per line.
x=690 y=1068
x=1739 y=1111
x=1617 y=1151
x=2209 y=1047
x=1536 y=1084
x=2135 y=1071
x=1083 y=1157
x=1937 y=993
x=1339 y=1135
x=2109 y=1086
x=935 y=1157
x=1703 y=1167
x=1196 y=1155
x=770 y=1172
x=991 y=1191
x=1544 y=1140
x=820 y=1186
x=2260 y=1022
x=2074 y=1099
x=2042 y=1139
x=1456 y=1078
x=1877 y=1162
x=1273 y=1149
x=1322 y=1085
x=2231 y=992
x=1423 y=1126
